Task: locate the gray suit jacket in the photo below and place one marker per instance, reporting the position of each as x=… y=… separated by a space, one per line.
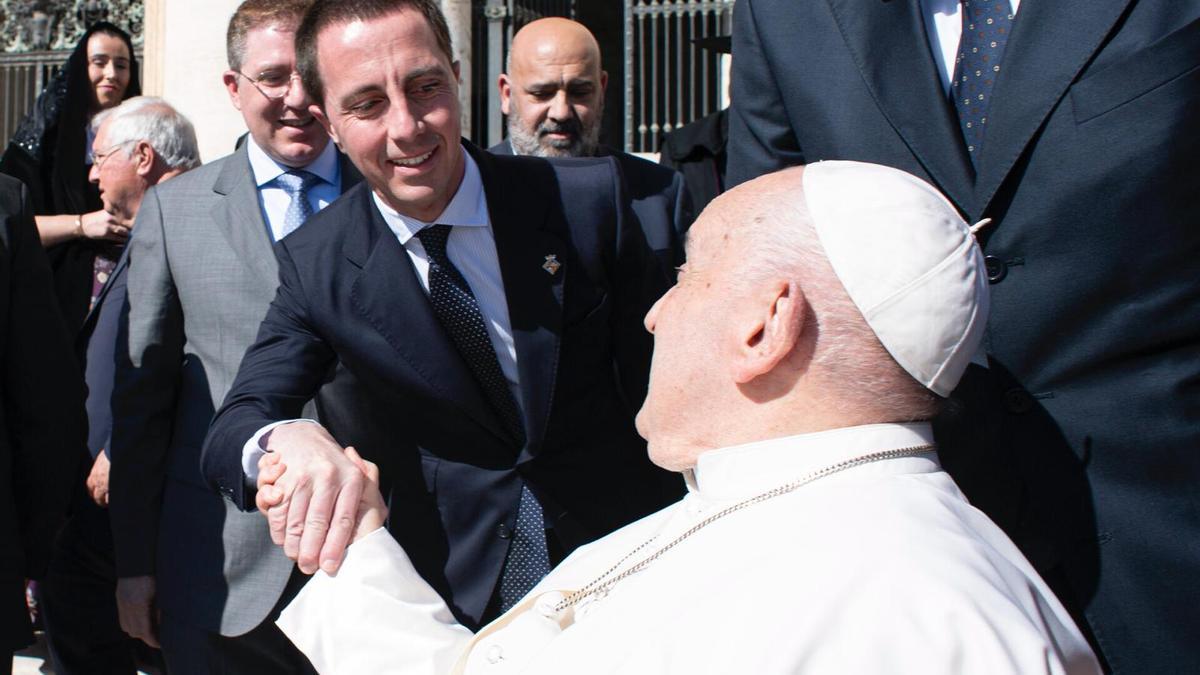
x=201 y=275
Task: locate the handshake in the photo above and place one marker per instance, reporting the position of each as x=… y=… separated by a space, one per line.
x=317 y=496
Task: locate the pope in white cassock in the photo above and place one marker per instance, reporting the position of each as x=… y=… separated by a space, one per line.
x=821 y=317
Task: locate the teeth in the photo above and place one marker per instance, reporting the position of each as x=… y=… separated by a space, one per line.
x=412 y=161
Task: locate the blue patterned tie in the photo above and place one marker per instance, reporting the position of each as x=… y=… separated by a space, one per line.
x=454 y=303
x=986 y=25
x=296 y=183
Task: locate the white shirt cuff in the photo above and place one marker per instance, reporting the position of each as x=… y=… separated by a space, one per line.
x=252 y=451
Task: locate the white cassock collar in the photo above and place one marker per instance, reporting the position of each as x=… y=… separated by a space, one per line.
x=742 y=471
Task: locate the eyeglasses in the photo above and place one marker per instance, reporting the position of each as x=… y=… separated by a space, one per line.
x=98 y=158
x=272 y=85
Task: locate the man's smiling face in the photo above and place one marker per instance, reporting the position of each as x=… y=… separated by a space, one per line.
x=284 y=128
x=391 y=103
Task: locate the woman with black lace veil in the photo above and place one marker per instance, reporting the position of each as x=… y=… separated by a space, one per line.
x=51 y=152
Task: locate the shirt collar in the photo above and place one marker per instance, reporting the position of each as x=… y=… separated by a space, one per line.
x=745 y=470
x=266 y=169
x=468 y=208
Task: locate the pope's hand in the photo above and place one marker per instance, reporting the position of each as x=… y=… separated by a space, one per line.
x=310 y=491
x=372 y=512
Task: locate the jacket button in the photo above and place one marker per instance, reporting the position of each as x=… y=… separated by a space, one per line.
x=503 y=531
x=996 y=269
x=1018 y=401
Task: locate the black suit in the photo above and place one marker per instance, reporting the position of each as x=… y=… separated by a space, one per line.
x=1081 y=437
x=42 y=423
x=661 y=201
x=406 y=399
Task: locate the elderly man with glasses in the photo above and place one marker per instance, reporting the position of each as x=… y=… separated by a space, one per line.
x=197 y=575
x=138 y=144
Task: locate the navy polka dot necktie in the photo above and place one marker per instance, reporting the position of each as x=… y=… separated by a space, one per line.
x=455 y=306
x=986 y=25
x=296 y=183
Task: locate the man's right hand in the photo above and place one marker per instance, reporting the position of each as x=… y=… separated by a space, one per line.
x=316 y=500
x=136 y=608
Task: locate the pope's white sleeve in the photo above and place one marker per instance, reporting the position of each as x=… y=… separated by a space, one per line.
x=377 y=615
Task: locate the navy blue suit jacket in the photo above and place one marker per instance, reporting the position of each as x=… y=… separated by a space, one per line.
x=1081 y=437
x=350 y=310
x=661 y=202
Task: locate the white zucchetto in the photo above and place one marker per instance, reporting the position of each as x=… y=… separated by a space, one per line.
x=908 y=261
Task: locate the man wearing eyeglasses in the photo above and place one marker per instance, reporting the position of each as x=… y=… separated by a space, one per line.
x=197 y=575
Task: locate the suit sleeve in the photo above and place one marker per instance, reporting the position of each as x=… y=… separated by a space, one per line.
x=149 y=357
x=761 y=138
x=43 y=393
x=639 y=281
x=280 y=372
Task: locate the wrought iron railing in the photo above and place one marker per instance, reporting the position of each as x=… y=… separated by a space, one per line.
x=22 y=78
x=669 y=80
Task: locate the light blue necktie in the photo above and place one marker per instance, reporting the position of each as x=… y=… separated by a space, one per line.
x=296 y=183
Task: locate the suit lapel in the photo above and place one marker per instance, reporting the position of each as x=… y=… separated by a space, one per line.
x=889 y=44
x=534 y=294
x=1050 y=44
x=94 y=311
x=387 y=293
x=240 y=219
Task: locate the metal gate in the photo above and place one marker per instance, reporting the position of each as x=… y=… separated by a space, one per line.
x=669 y=81
x=22 y=77
x=495 y=23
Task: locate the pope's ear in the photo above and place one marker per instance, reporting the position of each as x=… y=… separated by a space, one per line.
x=768 y=330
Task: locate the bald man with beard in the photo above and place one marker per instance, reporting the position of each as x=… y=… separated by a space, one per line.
x=553 y=95
x=823 y=314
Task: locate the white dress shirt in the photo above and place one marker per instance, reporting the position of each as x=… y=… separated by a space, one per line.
x=883 y=567
x=943 y=23
x=472 y=249
x=274 y=200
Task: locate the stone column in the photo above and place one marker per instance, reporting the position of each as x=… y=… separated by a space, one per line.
x=458 y=19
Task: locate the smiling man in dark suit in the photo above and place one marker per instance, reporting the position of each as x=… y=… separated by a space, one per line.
x=484 y=315
x=1071 y=124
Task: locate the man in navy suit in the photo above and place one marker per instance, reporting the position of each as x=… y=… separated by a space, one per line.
x=138 y=144
x=476 y=324
x=1071 y=125
x=553 y=95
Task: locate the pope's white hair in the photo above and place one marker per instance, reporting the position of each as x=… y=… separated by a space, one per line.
x=848 y=359
x=151 y=119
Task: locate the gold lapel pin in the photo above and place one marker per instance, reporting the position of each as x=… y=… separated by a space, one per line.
x=551 y=265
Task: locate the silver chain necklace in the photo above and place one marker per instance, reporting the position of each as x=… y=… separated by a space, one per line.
x=601 y=585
